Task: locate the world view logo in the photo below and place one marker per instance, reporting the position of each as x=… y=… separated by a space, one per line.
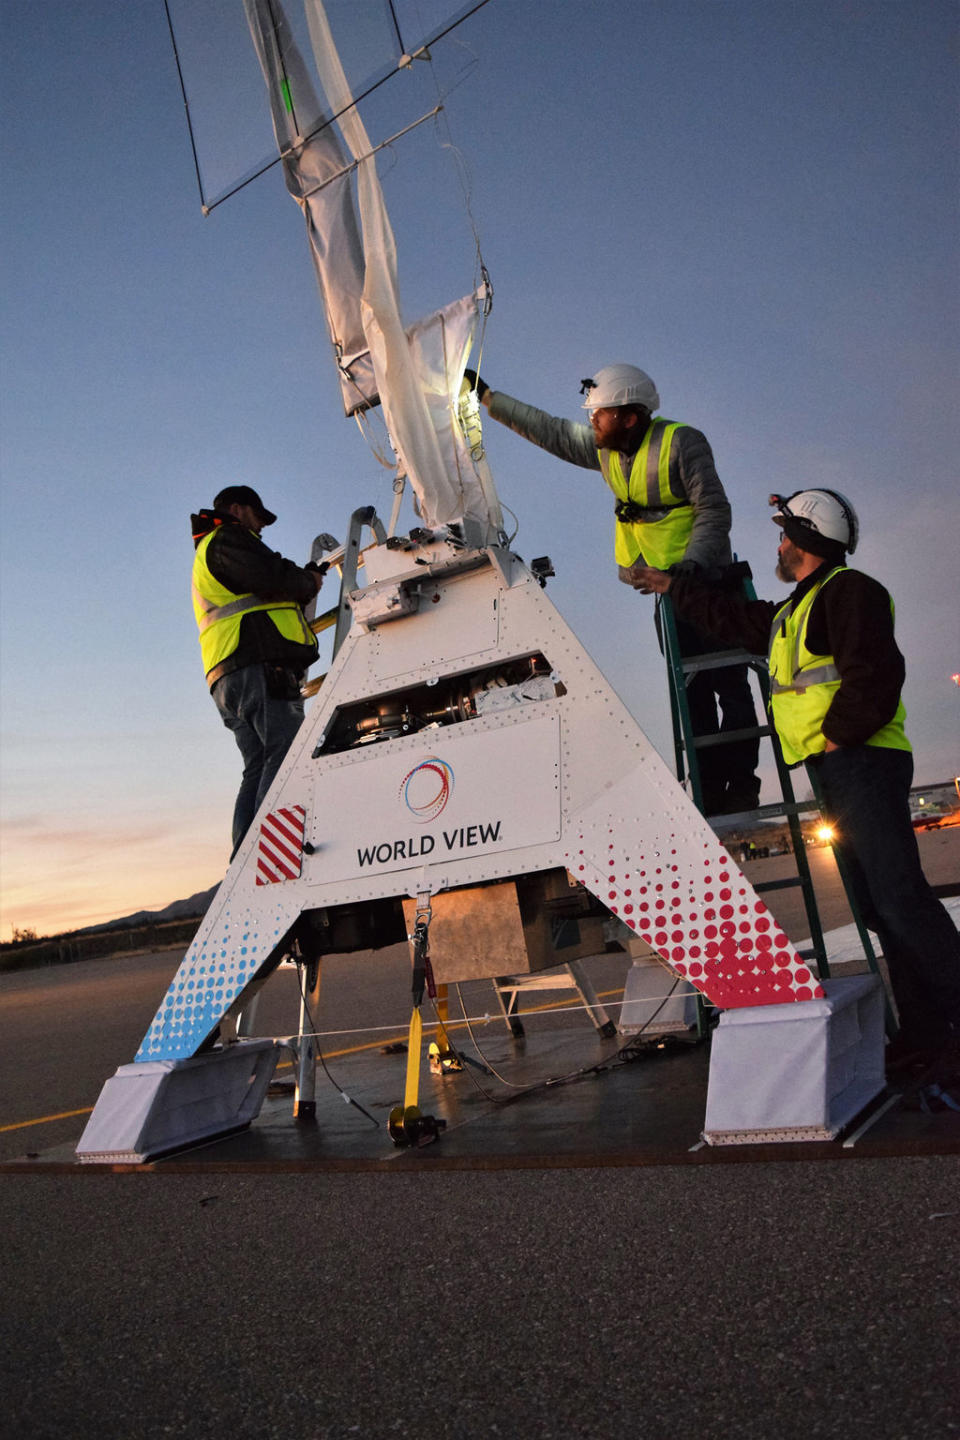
x=426 y=788
x=426 y=791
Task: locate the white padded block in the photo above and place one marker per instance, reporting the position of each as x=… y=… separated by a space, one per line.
x=796 y=1072
x=656 y=1001
x=154 y=1107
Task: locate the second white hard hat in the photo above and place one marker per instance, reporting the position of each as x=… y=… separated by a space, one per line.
x=620 y=385
x=825 y=512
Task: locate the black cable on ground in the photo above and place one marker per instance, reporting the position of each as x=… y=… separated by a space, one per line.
x=620 y=1058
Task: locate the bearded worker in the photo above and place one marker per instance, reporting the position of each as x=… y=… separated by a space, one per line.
x=836 y=675
x=671 y=511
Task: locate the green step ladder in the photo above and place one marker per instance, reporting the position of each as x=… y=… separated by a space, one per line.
x=680 y=669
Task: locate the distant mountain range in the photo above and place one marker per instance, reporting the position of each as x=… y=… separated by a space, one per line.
x=178 y=910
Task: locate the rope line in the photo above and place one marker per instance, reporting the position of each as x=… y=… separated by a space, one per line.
x=209 y=205
x=186 y=106
x=567 y=1007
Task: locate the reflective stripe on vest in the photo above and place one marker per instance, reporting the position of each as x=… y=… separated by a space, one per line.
x=802 y=685
x=661 y=541
x=210 y=614
x=219 y=613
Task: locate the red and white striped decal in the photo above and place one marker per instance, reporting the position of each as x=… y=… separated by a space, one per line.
x=280 y=855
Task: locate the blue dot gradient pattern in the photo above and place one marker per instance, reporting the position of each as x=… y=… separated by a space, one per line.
x=229 y=949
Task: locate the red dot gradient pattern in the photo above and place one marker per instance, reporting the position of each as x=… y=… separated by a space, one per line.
x=688 y=900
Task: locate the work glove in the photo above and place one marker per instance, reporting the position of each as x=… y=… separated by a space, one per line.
x=476 y=383
x=639 y=577
x=317 y=571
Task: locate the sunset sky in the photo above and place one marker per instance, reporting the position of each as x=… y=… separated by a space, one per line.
x=756 y=201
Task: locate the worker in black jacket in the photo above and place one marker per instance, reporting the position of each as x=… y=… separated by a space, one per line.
x=836 y=675
x=254 y=638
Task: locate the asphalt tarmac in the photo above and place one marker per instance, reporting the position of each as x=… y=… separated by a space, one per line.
x=752 y=1301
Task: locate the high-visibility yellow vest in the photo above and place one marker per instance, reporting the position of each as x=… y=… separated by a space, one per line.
x=661 y=542
x=802 y=685
x=219 y=612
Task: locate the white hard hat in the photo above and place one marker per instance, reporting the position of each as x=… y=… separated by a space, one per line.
x=822 y=512
x=620 y=385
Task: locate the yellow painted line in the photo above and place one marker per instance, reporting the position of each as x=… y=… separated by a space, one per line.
x=355 y=1049
x=328 y=1055
x=46 y=1119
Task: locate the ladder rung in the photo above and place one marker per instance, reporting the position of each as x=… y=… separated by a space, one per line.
x=764 y=812
x=783 y=807
x=716 y=660
x=787 y=884
x=727 y=737
x=324 y=621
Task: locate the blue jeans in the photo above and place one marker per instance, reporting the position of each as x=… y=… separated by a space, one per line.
x=263 y=727
x=865 y=792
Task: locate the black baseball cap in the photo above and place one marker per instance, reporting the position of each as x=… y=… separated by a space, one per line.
x=244 y=495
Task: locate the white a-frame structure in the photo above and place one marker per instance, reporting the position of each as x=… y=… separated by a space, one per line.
x=462 y=737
